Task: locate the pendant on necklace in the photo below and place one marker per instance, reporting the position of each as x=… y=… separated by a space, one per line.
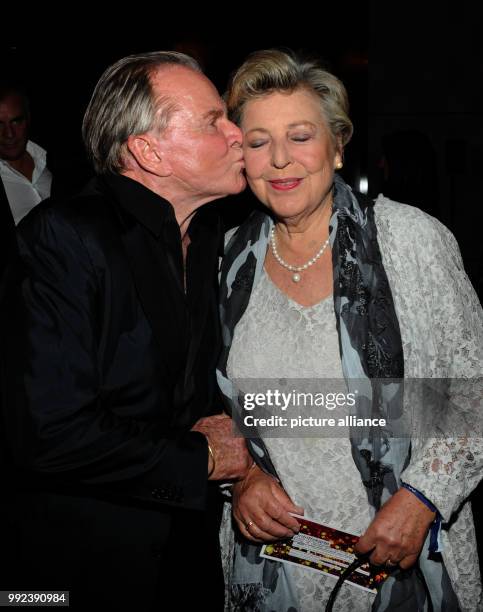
x=296 y=277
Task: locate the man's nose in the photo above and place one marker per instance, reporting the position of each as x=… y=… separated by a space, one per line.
x=8 y=131
x=235 y=137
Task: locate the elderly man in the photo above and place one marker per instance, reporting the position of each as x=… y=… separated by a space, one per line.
x=111 y=331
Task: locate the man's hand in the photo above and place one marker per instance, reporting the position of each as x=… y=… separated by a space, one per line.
x=398 y=531
x=232 y=460
x=261 y=508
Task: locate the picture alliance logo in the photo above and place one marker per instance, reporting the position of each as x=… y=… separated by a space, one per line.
x=300 y=421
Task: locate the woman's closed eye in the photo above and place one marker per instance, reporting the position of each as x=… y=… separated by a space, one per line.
x=256 y=144
x=300 y=137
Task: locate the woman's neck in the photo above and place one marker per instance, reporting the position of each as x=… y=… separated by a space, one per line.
x=304 y=234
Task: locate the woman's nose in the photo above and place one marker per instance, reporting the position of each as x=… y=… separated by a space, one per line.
x=280 y=156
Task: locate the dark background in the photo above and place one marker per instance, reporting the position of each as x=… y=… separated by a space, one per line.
x=60 y=73
x=407 y=66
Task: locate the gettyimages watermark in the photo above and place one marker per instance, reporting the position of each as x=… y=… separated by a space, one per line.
x=415 y=408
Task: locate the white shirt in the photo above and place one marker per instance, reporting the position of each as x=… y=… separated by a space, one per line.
x=22 y=194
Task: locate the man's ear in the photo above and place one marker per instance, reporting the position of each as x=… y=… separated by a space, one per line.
x=147 y=153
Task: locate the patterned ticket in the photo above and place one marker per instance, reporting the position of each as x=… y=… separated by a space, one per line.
x=325 y=549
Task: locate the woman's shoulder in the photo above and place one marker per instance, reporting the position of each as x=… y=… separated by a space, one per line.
x=398 y=214
x=400 y=224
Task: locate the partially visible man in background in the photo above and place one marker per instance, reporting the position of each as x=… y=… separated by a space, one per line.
x=23 y=163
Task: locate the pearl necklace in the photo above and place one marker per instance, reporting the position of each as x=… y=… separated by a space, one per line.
x=296 y=269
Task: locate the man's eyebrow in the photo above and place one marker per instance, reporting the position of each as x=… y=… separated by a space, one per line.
x=214 y=113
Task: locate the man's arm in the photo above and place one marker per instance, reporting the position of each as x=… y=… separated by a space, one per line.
x=62 y=425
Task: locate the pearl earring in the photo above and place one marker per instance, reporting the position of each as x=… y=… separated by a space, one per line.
x=339 y=165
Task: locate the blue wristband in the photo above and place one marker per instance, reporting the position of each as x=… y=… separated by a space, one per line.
x=434 y=542
x=420 y=496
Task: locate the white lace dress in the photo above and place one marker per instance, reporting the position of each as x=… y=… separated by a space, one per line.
x=279 y=338
x=441 y=326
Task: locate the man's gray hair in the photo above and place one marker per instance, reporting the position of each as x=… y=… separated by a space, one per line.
x=123 y=104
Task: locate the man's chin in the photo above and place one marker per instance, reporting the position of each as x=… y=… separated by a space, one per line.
x=10 y=155
x=239 y=186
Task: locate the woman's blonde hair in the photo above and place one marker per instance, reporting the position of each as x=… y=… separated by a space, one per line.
x=268 y=71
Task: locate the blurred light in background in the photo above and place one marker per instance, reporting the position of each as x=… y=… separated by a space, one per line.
x=363 y=184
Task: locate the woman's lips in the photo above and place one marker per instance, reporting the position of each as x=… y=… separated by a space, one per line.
x=285 y=184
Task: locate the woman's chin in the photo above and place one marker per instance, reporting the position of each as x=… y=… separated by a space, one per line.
x=289 y=212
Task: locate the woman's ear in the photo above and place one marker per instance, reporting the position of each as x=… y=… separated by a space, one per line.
x=145 y=149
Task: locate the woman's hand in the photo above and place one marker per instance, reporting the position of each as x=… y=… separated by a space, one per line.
x=398 y=531
x=261 y=508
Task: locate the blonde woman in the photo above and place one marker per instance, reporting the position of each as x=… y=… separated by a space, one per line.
x=328 y=284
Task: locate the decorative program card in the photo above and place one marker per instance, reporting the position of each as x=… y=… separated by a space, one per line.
x=321 y=548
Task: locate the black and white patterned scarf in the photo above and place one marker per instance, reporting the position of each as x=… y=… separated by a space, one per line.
x=367 y=325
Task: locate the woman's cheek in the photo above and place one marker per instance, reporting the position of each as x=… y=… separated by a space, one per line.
x=257 y=186
x=253 y=170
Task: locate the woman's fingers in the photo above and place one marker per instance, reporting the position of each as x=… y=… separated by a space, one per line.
x=264 y=530
x=279 y=513
x=262 y=508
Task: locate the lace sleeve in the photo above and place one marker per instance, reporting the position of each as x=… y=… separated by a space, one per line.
x=448 y=467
